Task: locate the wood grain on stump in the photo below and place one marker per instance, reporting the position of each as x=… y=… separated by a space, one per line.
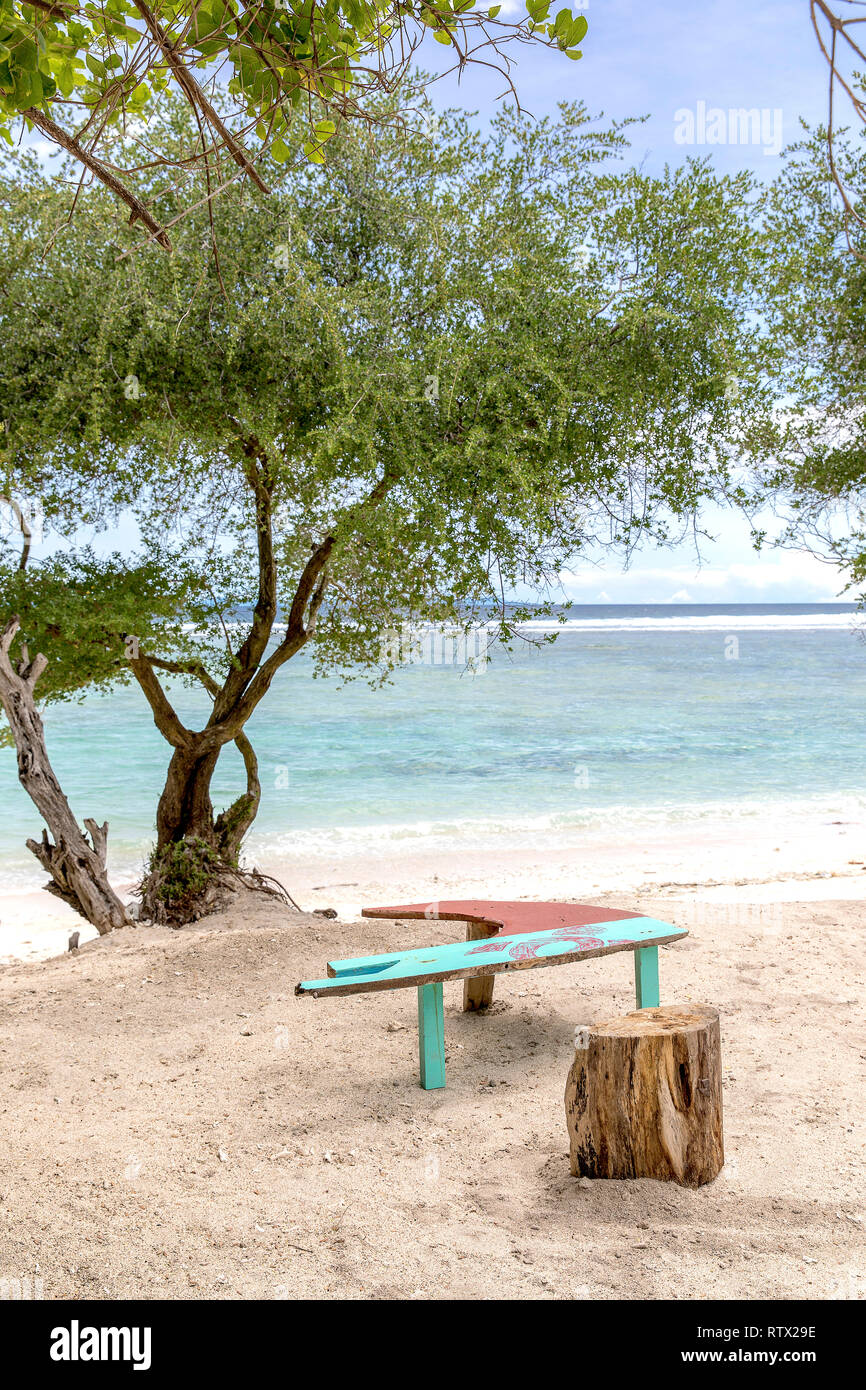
x=644 y=1097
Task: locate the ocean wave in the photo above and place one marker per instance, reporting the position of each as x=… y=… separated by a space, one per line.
x=614 y=622
x=556 y=829
x=605 y=825
x=732 y=622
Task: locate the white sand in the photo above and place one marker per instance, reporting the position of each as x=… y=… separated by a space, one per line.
x=178 y=1124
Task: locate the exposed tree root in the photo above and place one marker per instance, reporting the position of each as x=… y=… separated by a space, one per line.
x=187 y=880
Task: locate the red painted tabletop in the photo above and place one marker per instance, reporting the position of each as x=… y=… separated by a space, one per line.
x=505 y=918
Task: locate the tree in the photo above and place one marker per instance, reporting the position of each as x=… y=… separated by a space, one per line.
x=77 y=866
x=430 y=374
x=104 y=65
x=810 y=451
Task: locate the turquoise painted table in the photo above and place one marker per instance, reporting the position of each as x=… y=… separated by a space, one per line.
x=428 y=968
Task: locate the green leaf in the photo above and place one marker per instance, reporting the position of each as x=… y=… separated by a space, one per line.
x=28 y=88
x=26 y=55
x=139 y=97
x=65 y=74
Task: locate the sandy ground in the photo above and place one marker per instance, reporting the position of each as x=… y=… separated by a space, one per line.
x=177 y=1124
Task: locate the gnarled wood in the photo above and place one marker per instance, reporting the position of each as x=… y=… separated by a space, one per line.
x=77 y=867
x=644 y=1097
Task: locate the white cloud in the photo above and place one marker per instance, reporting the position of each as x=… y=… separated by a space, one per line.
x=775 y=577
x=43 y=149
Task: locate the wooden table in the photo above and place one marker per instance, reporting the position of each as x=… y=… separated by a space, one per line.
x=574 y=937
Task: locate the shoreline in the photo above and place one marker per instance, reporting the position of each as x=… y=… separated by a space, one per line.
x=800 y=858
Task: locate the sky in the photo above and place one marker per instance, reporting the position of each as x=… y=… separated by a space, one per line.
x=684 y=66
x=661 y=57
x=662 y=61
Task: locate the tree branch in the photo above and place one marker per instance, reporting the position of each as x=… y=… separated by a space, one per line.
x=56 y=11
x=264 y=614
x=188 y=668
x=305 y=606
x=24 y=526
x=102 y=172
x=196 y=96
x=232 y=824
x=28 y=671
x=309 y=595
x=7 y=637
x=164 y=717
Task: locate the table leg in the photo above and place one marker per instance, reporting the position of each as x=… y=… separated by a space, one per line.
x=431 y=1036
x=646 y=977
x=478 y=990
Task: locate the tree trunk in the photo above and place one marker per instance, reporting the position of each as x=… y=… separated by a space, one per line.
x=185 y=807
x=232 y=825
x=644 y=1097
x=77 y=867
x=195 y=863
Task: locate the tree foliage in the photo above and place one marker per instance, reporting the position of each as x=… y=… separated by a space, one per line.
x=81 y=72
x=412 y=385
x=811 y=449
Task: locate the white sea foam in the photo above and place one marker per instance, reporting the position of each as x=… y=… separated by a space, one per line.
x=544 y=831
x=559 y=830
x=721 y=622
x=677 y=622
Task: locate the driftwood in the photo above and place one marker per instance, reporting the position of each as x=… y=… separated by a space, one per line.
x=76 y=865
x=644 y=1097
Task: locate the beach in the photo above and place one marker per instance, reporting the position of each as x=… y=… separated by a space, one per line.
x=179 y=1125
x=433 y=566
x=799 y=855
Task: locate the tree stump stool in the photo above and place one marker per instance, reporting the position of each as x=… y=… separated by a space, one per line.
x=644 y=1097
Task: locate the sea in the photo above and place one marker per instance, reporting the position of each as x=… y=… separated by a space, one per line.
x=636 y=713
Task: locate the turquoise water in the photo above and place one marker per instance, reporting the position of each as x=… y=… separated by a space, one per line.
x=632 y=710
